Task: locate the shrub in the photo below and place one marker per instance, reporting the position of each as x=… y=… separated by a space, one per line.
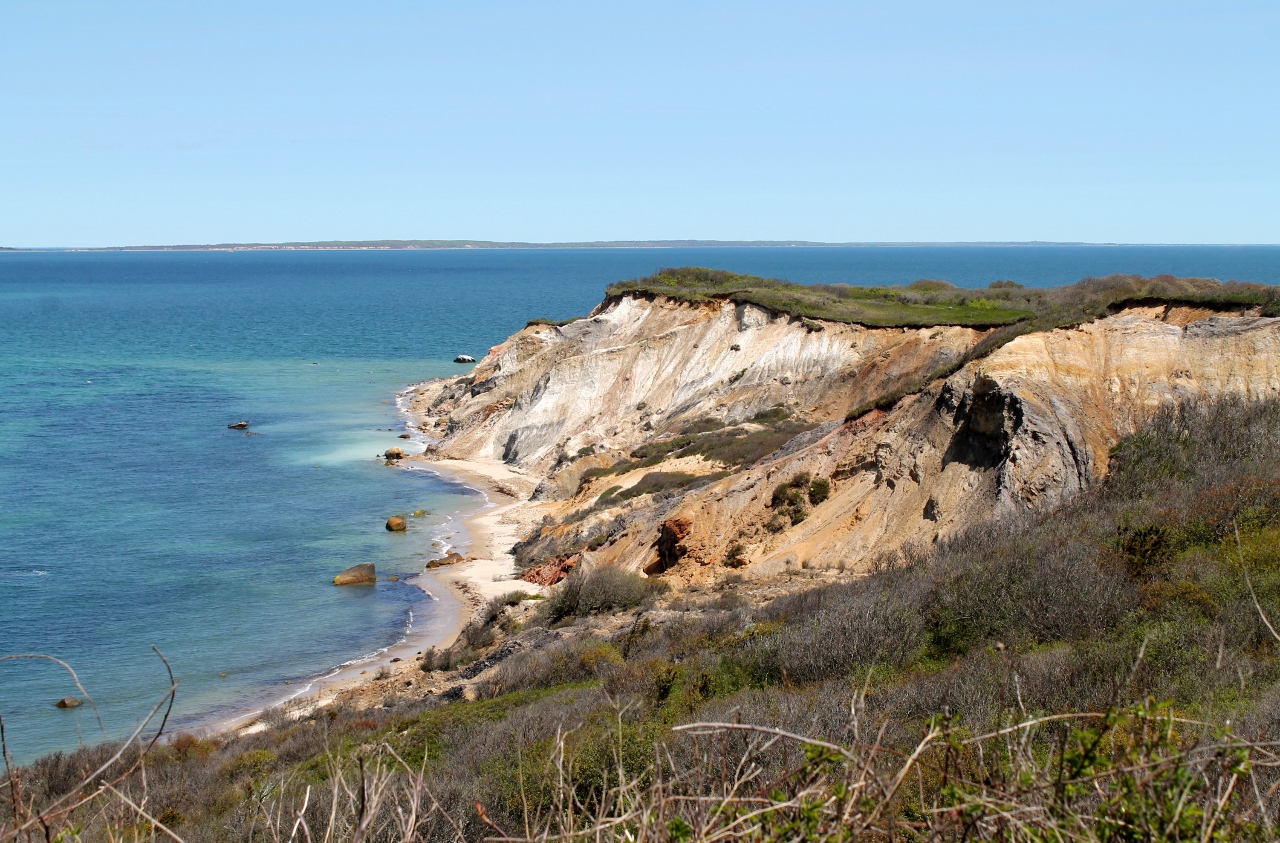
x=658 y=481
x=604 y=588
x=819 y=491
x=559 y=663
x=253 y=765
x=607 y=498
x=610 y=587
x=789 y=501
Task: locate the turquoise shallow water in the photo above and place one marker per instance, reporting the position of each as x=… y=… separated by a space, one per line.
x=130 y=516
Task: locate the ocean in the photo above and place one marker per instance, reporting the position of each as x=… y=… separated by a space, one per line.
x=132 y=517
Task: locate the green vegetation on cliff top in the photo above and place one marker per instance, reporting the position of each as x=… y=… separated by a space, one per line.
x=929 y=303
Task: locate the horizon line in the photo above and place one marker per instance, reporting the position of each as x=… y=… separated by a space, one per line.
x=440 y=245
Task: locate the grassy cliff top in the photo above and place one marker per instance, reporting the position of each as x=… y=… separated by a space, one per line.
x=930 y=303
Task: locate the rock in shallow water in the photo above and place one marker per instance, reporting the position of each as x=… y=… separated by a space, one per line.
x=397 y=524
x=357 y=574
x=68 y=702
x=393 y=454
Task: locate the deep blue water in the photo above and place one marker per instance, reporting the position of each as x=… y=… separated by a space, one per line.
x=130 y=516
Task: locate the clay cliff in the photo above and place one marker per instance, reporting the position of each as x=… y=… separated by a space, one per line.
x=689 y=439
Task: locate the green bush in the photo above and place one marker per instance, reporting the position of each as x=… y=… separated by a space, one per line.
x=789 y=501
x=252 y=765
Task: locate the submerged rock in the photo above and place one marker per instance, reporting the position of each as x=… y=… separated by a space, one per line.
x=405 y=436
x=68 y=702
x=397 y=524
x=240 y=425
x=357 y=574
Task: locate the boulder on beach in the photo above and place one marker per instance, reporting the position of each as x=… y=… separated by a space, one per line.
x=240 y=425
x=452 y=559
x=393 y=454
x=464 y=358
x=68 y=702
x=357 y=574
x=397 y=524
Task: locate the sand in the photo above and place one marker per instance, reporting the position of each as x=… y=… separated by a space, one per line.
x=493 y=529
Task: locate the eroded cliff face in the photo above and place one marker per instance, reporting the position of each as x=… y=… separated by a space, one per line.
x=1026 y=426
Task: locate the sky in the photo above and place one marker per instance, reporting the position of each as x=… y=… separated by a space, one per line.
x=130 y=123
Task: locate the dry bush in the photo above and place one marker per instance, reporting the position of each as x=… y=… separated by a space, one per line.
x=603 y=588
x=561 y=663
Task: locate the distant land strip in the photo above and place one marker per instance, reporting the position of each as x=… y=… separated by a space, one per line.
x=393 y=245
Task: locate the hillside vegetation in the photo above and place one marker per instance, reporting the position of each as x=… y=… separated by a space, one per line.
x=1105 y=671
x=930 y=303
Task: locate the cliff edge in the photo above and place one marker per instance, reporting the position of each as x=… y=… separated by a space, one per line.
x=689 y=438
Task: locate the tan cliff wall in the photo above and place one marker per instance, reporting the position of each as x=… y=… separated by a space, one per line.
x=1028 y=425
x=549 y=390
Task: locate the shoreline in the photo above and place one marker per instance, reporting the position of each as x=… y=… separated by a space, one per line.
x=458 y=592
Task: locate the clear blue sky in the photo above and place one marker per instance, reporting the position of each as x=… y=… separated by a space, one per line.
x=163 y=122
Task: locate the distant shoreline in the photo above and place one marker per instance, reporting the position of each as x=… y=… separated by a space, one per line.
x=444 y=245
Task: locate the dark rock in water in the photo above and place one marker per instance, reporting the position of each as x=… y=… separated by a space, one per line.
x=393 y=578
x=68 y=702
x=357 y=574
x=397 y=524
x=393 y=454
x=464 y=358
x=240 y=425
x=405 y=436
